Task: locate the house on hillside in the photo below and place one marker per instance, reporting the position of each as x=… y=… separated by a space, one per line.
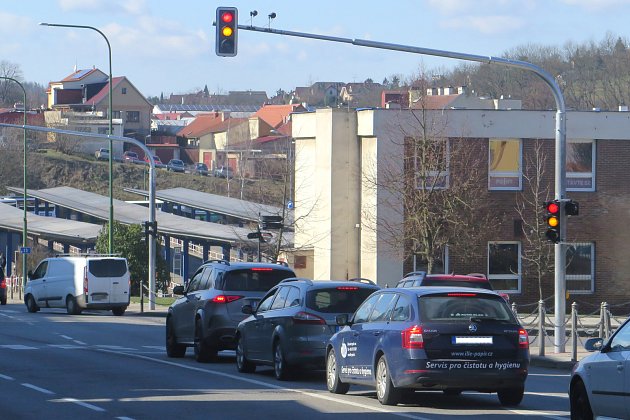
x=361 y=95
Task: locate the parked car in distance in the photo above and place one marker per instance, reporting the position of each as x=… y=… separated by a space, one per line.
x=223 y=172
x=474 y=280
x=176 y=165
x=200 y=169
x=600 y=382
x=156 y=161
x=102 y=154
x=291 y=326
x=130 y=157
x=3 y=289
x=449 y=339
x=208 y=310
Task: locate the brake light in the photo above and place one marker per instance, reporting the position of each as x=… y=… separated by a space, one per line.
x=85 y=281
x=459 y=294
x=523 y=339
x=306 y=318
x=412 y=338
x=225 y=298
x=3 y=283
x=262 y=269
x=347 y=288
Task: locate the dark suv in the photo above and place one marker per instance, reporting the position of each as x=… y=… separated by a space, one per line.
x=206 y=315
x=474 y=280
x=293 y=322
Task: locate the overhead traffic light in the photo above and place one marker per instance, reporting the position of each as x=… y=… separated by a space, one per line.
x=227 y=31
x=553 y=221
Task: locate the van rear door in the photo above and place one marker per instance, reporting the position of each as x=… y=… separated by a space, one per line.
x=107 y=280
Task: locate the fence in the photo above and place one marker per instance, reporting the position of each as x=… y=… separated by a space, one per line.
x=599 y=323
x=15 y=287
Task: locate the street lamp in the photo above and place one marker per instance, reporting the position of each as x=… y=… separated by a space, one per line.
x=111 y=151
x=24 y=225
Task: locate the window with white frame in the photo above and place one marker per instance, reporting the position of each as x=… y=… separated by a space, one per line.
x=580 y=165
x=431 y=157
x=580 y=265
x=504 y=266
x=504 y=164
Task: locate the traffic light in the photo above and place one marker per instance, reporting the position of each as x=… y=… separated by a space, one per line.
x=227 y=31
x=271 y=222
x=553 y=221
x=572 y=208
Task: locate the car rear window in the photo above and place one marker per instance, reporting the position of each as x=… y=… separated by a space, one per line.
x=107 y=267
x=464 y=306
x=343 y=299
x=252 y=279
x=457 y=283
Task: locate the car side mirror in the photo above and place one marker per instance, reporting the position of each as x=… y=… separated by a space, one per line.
x=342 y=319
x=594 y=344
x=247 y=309
x=178 y=290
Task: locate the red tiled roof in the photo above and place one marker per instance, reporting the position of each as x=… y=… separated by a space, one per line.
x=227 y=124
x=201 y=125
x=435 y=102
x=276 y=115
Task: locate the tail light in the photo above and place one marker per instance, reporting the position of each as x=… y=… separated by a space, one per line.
x=262 y=269
x=225 y=298
x=460 y=294
x=306 y=318
x=412 y=338
x=3 y=283
x=347 y=288
x=85 y=281
x=523 y=339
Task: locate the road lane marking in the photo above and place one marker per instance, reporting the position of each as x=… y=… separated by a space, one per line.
x=80 y=343
x=66 y=337
x=8 y=378
x=541 y=414
x=551 y=375
x=36 y=388
x=83 y=404
x=17 y=347
x=271 y=386
x=550 y=394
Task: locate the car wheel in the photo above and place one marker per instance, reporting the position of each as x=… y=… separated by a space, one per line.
x=580 y=407
x=173 y=349
x=119 y=311
x=71 y=306
x=511 y=396
x=31 y=306
x=203 y=353
x=333 y=382
x=386 y=393
x=281 y=368
x=242 y=364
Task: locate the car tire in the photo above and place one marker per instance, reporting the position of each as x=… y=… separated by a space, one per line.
x=386 y=392
x=281 y=368
x=511 y=397
x=119 y=311
x=242 y=364
x=72 y=307
x=173 y=349
x=333 y=383
x=580 y=406
x=203 y=353
x=31 y=306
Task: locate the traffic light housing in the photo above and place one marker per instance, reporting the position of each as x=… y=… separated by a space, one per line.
x=271 y=222
x=227 y=31
x=572 y=208
x=553 y=221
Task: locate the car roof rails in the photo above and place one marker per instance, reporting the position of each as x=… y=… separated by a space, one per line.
x=415 y=273
x=292 y=279
x=480 y=275
x=226 y=262
x=362 y=280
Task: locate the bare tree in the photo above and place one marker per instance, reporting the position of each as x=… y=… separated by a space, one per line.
x=10 y=92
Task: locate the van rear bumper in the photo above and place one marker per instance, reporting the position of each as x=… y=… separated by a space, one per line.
x=100 y=305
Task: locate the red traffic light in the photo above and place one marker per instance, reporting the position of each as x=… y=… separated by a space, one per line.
x=227 y=17
x=553 y=207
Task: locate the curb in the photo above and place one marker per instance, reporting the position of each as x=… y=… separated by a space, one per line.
x=550 y=363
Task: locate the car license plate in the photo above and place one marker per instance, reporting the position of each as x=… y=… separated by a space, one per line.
x=471 y=340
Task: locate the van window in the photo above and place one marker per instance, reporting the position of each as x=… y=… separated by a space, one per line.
x=252 y=280
x=40 y=271
x=107 y=267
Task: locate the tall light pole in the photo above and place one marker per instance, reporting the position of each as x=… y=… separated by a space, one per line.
x=111 y=151
x=24 y=224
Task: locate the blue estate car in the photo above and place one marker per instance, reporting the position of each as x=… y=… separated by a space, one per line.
x=430 y=338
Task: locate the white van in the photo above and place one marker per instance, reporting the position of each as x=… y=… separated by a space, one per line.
x=91 y=281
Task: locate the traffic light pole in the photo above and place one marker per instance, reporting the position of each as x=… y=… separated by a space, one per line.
x=560 y=173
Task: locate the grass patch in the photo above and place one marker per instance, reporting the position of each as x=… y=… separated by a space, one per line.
x=162 y=301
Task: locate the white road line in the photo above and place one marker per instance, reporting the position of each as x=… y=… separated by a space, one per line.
x=66 y=346
x=80 y=342
x=267 y=385
x=551 y=375
x=83 y=404
x=550 y=394
x=66 y=337
x=8 y=378
x=36 y=388
x=17 y=347
x=109 y=347
x=124 y=418
x=540 y=414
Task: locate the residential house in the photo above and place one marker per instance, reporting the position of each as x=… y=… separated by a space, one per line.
x=361 y=95
x=319 y=94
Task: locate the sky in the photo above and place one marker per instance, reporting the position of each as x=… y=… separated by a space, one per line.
x=166 y=47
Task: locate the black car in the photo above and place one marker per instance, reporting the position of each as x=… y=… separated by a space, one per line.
x=200 y=169
x=209 y=309
x=3 y=281
x=434 y=338
x=176 y=165
x=293 y=322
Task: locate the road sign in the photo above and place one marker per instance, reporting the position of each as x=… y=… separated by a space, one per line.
x=289 y=204
x=25 y=250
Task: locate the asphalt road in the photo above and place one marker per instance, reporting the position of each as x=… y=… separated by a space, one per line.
x=98 y=366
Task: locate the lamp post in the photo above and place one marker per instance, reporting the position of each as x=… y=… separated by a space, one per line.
x=111 y=151
x=24 y=224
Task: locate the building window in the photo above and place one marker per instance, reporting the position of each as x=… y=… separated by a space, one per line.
x=580 y=165
x=116 y=115
x=504 y=164
x=299 y=261
x=504 y=266
x=103 y=130
x=124 y=91
x=133 y=116
x=580 y=267
x=431 y=158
